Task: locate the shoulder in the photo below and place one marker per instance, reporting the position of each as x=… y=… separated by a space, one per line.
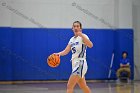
x=85 y=35
x=71 y=38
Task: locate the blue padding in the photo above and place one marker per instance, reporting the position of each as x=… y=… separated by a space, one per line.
x=23 y=52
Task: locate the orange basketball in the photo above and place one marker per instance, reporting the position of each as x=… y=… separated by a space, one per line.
x=53 y=60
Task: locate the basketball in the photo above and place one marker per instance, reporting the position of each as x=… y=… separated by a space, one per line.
x=53 y=60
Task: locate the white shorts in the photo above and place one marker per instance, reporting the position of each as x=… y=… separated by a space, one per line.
x=79 y=67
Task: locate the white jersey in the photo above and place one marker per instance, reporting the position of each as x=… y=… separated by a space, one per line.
x=78 y=47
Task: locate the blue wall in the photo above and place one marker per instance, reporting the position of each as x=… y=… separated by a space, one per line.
x=23 y=52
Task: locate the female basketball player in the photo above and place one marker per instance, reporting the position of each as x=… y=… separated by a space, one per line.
x=77 y=44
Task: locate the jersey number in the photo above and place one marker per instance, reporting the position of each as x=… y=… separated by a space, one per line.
x=73 y=50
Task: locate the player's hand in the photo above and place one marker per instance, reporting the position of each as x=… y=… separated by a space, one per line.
x=79 y=33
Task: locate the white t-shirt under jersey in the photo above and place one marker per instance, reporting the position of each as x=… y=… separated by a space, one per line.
x=78 y=47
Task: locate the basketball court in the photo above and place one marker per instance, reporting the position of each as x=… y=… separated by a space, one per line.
x=96 y=87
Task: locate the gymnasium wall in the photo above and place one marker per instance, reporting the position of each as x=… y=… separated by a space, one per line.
x=136 y=26
x=32 y=30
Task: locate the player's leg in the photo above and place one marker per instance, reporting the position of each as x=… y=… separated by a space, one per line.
x=82 y=84
x=72 y=82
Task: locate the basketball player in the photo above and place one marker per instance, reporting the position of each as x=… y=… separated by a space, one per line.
x=77 y=44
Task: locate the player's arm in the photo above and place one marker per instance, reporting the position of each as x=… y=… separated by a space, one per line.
x=65 y=51
x=86 y=40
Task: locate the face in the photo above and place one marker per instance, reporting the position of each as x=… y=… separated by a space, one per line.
x=124 y=55
x=76 y=28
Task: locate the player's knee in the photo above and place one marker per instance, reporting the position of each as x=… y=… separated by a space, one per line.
x=69 y=86
x=83 y=86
